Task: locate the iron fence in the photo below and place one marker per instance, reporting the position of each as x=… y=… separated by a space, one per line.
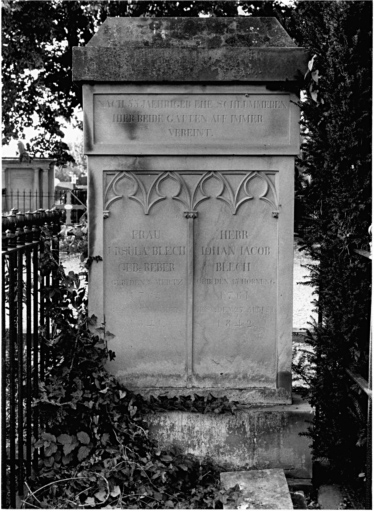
x=72 y=203
x=25 y=324
x=26 y=200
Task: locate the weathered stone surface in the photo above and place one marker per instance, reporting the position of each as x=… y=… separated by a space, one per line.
x=192 y=302
x=189 y=49
x=241 y=121
x=192 y=32
x=330 y=497
x=98 y=64
x=191 y=159
x=258 y=438
x=262 y=489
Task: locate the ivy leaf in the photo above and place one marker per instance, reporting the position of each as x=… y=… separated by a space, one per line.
x=83 y=453
x=39 y=444
x=48 y=437
x=105 y=438
x=58 y=456
x=101 y=496
x=64 y=439
x=90 y=502
x=92 y=320
x=68 y=448
x=66 y=459
x=83 y=437
x=50 y=450
x=48 y=462
x=122 y=394
x=108 y=335
x=116 y=491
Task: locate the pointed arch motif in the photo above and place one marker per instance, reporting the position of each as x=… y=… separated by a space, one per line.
x=192 y=197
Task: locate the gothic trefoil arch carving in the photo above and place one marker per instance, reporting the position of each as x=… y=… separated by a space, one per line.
x=234 y=195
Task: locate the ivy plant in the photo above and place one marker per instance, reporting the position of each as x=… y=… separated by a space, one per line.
x=94 y=449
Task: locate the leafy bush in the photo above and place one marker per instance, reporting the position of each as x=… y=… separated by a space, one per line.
x=336 y=159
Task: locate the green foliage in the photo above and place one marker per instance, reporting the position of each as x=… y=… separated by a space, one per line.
x=94 y=447
x=74 y=240
x=37 y=42
x=336 y=159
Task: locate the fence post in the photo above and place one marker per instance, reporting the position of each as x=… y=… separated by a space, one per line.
x=20 y=252
x=28 y=252
x=4 y=349
x=12 y=374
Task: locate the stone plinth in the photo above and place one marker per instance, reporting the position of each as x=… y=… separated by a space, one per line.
x=191 y=142
x=253 y=438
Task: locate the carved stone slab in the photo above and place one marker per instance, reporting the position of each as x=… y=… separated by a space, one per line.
x=190 y=275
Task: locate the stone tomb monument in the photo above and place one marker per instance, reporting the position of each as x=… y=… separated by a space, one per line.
x=191 y=130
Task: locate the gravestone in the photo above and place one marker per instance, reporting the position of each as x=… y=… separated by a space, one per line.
x=191 y=130
x=28 y=185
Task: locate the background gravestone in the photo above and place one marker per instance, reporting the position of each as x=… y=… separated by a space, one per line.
x=191 y=129
x=28 y=185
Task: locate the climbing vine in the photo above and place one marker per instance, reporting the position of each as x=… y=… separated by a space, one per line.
x=94 y=448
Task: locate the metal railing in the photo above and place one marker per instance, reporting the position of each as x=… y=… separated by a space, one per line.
x=25 y=324
x=73 y=203
x=33 y=200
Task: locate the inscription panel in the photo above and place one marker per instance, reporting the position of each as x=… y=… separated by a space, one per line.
x=190 y=277
x=206 y=120
x=236 y=295
x=144 y=289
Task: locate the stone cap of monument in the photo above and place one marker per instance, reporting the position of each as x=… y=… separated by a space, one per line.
x=245 y=49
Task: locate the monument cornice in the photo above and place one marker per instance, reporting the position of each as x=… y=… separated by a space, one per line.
x=225 y=64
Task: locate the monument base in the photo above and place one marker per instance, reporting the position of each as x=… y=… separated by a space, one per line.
x=250 y=397
x=251 y=438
